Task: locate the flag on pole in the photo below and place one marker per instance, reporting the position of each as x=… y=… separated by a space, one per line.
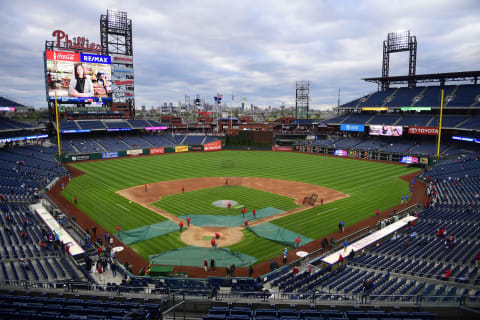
x=233 y=97
x=244 y=99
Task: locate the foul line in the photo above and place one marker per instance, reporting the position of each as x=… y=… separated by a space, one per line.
x=123 y=207
x=326 y=211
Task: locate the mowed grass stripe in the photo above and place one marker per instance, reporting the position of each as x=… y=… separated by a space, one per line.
x=370 y=185
x=315 y=224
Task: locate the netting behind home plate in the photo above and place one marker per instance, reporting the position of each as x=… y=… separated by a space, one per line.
x=194 y=257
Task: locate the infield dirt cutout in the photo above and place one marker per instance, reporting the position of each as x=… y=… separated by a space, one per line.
x=194 y=235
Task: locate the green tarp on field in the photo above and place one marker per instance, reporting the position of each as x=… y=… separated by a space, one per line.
x=278 y=234
x=230 y=221
x=194 y=257
x=147 y=232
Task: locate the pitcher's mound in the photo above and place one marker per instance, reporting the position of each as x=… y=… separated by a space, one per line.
x=224 y=203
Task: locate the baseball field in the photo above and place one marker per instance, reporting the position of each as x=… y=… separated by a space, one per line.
x=365 y=186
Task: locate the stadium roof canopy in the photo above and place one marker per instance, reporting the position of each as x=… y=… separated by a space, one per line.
x=441 y=78
x=4 y=102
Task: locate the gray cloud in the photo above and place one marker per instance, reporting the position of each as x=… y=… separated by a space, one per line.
x=256 y=49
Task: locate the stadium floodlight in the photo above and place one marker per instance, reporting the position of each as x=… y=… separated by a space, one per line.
x=116 y=19
x=398 y=41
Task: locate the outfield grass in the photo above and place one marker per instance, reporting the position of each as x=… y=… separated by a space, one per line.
x=370 y=185
x=200 y=201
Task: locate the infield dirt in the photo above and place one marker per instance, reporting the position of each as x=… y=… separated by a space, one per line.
x=195 y=235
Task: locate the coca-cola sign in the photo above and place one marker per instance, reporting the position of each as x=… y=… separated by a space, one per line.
x=428 y=131
x=78 y=43
x=63 y=56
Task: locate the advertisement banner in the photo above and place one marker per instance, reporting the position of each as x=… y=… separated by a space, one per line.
x=134 y=152
x=81 y=157
x=341 y=153
x=283 y=148
x=409 y=159
x=416 y=108
x=374 y=108
x=63 y=56
x=427 y=131
x=109 y=155
x=123 y=82
x=424 y=160
x=181 y=149
x=196 y=148
x=122 y=59
x=78 y=77
x=122 y=70
x=156 y=128
x=390 y=131
x=95 y=58
x=12 y=139
x=157 y=150
x=352 y=127
x=213 y=146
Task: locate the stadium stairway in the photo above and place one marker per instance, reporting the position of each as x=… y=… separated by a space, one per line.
x=390 y=97
x=446 y=101
x=419 y=97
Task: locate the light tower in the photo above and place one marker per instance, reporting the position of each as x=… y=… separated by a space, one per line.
x=397 y=42
x=302 y=99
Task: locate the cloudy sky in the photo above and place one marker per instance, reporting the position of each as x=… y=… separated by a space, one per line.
x=256 y=49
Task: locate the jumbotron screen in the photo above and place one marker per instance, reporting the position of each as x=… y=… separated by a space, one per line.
x=409 y=159
x=380 y=130
x=79 y=77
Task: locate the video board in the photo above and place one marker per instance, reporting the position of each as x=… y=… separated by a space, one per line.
x=390 y=131
x=409 y=159
x=78 y=77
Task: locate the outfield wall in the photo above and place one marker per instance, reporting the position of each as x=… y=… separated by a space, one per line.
x=212 y=146
x=421 y=160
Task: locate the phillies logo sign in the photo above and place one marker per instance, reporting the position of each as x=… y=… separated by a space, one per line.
x=429 y=131
x=80 y=43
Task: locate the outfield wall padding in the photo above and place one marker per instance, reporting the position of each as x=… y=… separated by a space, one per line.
x=276 y=233
x=146 y=232
x=194 y=257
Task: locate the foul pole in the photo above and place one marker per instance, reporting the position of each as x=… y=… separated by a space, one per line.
x=440 y=126
x=58 y=127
